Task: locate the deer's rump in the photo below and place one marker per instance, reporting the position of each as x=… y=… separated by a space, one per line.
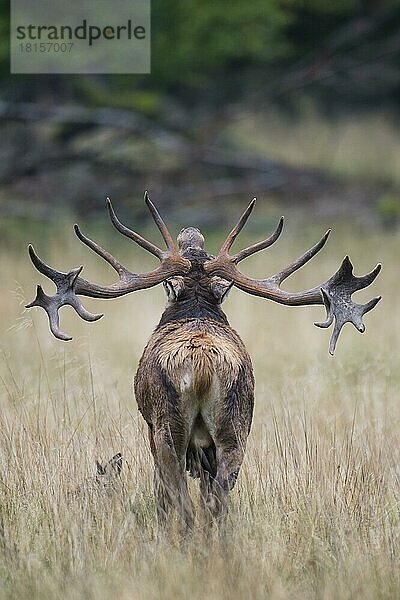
x=197 y=354
x=198 y=364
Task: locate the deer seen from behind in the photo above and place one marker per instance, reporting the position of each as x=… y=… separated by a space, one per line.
x=194 y=385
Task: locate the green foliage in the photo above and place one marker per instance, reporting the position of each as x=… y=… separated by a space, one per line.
x=122 y=91
x=339 y=51
x=388 y=210
x=192 y=42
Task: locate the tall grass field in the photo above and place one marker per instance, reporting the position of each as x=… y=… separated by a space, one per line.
x=316 y=510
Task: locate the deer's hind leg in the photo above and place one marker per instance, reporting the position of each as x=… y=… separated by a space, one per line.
x=233 y=422
x=162 y=499
x=170 y=483
x=159 y=404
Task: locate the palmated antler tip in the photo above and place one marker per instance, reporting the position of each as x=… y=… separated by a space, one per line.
x=376 y=270
x=337 y=292
x=32 y=252
x=64 y=337
x=371 y=304
x=39 y=294
x=347 y=262
x=73 y=274
x=33 y=303
x=329 y=315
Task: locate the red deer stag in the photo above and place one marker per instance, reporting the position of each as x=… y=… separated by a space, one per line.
x=194 y=385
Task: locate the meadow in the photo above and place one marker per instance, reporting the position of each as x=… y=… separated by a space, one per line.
x=316 y=511
x=340 y=146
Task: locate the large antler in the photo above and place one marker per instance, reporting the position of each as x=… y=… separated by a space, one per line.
x=335 y=293
x=70 y=285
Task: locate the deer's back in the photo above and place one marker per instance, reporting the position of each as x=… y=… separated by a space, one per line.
x=196 y=360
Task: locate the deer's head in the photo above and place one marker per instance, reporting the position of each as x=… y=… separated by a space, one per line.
x=197 y=293
x=196 y=282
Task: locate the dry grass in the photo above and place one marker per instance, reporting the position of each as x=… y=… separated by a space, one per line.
x=367 y=147
x=316 y=510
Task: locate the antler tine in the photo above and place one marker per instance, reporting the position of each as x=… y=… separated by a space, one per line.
x=302 y=260
x=121 y=270
x=65 y=294
x=40 y=265
x=335 y=293
x=237 y=229
x=341 y=316
x=45 y=301
x=371 y=304
x=246 y=252
x=132 y=234
x=364 y=281
x=70 y=285
x=160 y=224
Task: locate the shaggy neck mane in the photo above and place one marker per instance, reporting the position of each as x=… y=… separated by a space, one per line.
x=196 y=301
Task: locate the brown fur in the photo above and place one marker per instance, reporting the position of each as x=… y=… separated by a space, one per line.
x=184 y=347
x=195 y=388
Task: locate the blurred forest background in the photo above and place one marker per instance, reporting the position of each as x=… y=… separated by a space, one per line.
x=295 y=101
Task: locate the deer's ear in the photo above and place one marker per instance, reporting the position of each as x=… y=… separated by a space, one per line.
x=174 y=286
x=220 y=288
